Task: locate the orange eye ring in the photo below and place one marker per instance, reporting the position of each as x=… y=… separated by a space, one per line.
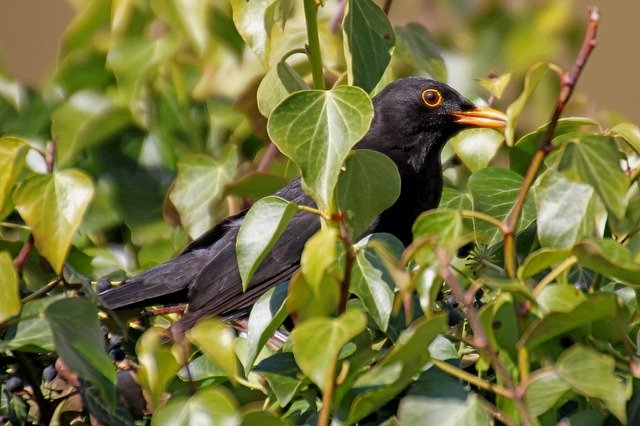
x=432 y=98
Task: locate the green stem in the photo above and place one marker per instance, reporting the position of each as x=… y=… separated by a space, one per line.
x=551 y=276
x=315 y=57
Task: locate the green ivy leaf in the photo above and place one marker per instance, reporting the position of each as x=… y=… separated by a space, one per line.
x=443 y=411
x=266 y=316
x=79 y=341
x=306 y=300
x=595 y=159
x=199 y=189
x=495 y=85
x=212 y=405
x=12 y=153
x=263 y=224
x=32 y=334
x=544 y=390
x=630 y=133
x=317 y=129
x=593 y=374
x=416 y=45
x=559 y=298
x=86 y=119
x=53 y=206
x=608 y=257
x=317 y=343
x=368 y=43
x=215 y=339
x=531 y=80
x=158 y=364
x=371 y=281
x=368 y=184
x=283 y=375
x=278 y=83
x=454 y=200
x=540 y=260
x=494 y=191
x=10 y=301
x=476 y=147
x=562 y=206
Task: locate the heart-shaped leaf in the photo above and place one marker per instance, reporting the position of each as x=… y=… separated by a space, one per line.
x=12 y=153
x=476 y=147
x=317 y=129
x=53 y=205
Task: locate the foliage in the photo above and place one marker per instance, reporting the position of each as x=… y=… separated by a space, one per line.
x=157 y=122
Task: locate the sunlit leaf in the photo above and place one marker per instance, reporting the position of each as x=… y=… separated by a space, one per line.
x=562 y=205
x=317 y=343
x=476 y=147
x=317 y=129
x=12 y=153
x=368 y=184
x=630 y=133
x=263 y=224
x=158 y=364
x=79 y=341
x=540 y=260
x=495 y=85
x=307 y=300
x=368 y=42
x=209 y=406
x=53 y=205
x=10 y=300
x=215 y=339
x=199 y=190
x=443 y=411
x=190 y=17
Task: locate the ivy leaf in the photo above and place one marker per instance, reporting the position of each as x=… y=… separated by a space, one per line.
x=212 y=405
x=476 y=147
x=317 y=129
x=278 y=83
x=12 y=153
x=609 y=258
x=630 y=133
x=543 y=391
x=562 y=206
x=415 y=44
x=540 y=260
x=79 y=341
x=266 y=316
x=263 y=224
x=595 y=159
x=494 y=192
x=317 y=343
x=84 y=120
x=158 y=365
x=215 y=339
x=495 y=85
x=368 y=184
x=283 y=375
x=199 y=189
x=593 y=374
x=10 y=301
x=368 y=42
x=53 y=206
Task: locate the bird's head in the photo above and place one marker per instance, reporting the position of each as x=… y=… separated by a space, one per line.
x=415 y=116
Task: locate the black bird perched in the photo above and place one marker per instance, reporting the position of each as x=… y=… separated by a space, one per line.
x=413 y=119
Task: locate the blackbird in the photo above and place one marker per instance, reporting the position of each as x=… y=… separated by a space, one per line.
x=413 y=119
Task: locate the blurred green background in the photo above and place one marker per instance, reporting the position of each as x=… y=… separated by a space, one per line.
x=30 y=30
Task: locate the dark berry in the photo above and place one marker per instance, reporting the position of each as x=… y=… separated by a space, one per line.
x=454 y=315
x=14 y=384
x=465 y=250
x=49 y=373
x=115 y=341
x=479 y=294
x=440 y=296
x=103 y=285
x=451 y=301
x=117 y=354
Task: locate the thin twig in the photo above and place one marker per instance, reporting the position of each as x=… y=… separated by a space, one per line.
x=41 y=292
x=568 y=83
x=387 y=6
x=472 y=378
x=270 y=154
x=336 y=20
x=350 y=257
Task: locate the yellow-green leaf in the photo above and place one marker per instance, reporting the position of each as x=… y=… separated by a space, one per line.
x=12 y=153
x=10 y=300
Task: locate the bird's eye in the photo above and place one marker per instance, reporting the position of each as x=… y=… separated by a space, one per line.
x=432 y=98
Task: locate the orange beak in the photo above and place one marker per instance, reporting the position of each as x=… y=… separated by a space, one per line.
x=481 y=117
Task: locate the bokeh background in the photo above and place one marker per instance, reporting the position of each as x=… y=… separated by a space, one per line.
x=30 y=30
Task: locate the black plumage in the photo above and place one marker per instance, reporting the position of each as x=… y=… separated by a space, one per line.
x=413 y=119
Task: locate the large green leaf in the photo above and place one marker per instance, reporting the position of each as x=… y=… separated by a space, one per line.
x=283 y=375
x=595 y=159
x=562 y=206
x=593 y=374
x=263 y=224
x=53 y=205
x=544 y=390
x=280 y=81
x=476 y=147
x=368 y=42
x=85 y=119
x=32 y=334
x=317 y=129
x=540 y=260
x=199 y=190
x=10 y=300
x=415 y=44
x=209 y=406
x=266 y=316
x=12 y=153
x=394 y=372
x=255 y=20
x=609 y=258
x=79 y=341
x=371 y=281
x=368 y=184
x=158 y=364
x=215 y=339
x=306 y=300
x=494 y=192
x=443 y=411
x=317 y=343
